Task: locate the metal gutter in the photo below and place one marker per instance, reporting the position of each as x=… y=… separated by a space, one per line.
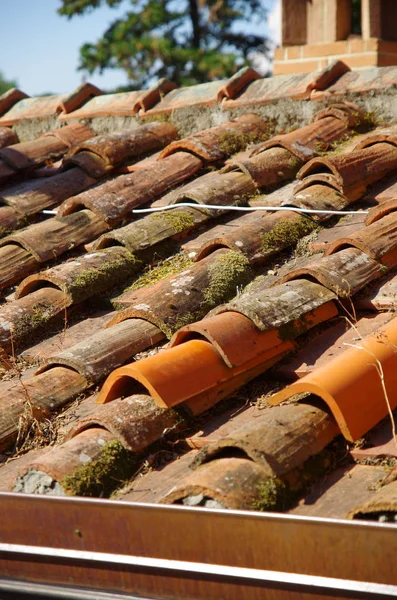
x=59 y=546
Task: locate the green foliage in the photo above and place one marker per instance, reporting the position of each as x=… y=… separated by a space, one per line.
x=186 y=41
x=5 y=84
x=356 y=17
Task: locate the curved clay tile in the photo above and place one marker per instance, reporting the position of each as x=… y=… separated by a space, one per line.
x=212 y=144
x=305 y=142
x=189 y=295
x=269 y=167
x=384 y=501
x=193 y=373
x=79 y=96
x=20 y=319
x=10 y=219
x=351 y=114
x=235 y=483
x=45 y=393
x=378 y=240
x=153 y=229
x=114 y=200
x=344 y=273
x=236 y=337
x=319 y=197
x=299 y=87
x=84 y=276
x=213 y=188
x=352 y=383
x=383 y=190
x=279 y=439
x=45 y=106
x=116 y=147
x=237 y=82
x=15 y=263
x=53 y=237
x=50 y=146
x=33 y=108
x=357 y=167
x=381 y=296
x=62 y=460
x=97 y=355
x=7 y=137
x=9 y=98
x=32 y=196
x=258 y=236
x=279 y=306
x=170 y=377
x=203 y=94
x=380 y=211
x=136 y=422
x=387 y=135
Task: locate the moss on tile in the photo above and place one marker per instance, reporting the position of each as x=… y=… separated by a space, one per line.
x=178 y=220
x=102 y=476
x=30 y=325
x=175 y=322
x=232 y=142
x=96 y=280
x=227 y=274
x=4 y=231
x=161 y=118
x=169 y=266
x=272 y=495
x=287 y=233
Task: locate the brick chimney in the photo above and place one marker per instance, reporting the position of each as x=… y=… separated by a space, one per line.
x=316 y=32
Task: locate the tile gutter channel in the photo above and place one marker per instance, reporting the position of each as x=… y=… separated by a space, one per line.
x=152 y=567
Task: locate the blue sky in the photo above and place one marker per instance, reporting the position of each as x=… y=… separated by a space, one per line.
x=40 y=49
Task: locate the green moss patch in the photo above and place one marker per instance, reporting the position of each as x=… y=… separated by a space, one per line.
x=94 y=281
x=101 y=477
x=272 y=495
x=170 y=266
x=179 y=221
x=232 y=142
x=29 y=326
x=227 y=274
x=286 y=233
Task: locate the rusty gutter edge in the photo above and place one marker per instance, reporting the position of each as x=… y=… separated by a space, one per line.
x=242 y=575
x=83 y=547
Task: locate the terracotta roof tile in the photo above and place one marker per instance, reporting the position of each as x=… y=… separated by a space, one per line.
x=9 y=98
x=98 y=354
x=33 y=108
x=203 y=94
x=15 y=105
x=232 y=482
x=7 y=137
x=286 y=86
x=324 y=346
x=384 y=502
x=116 y=199
x=123 y=104
x=209 y=144
x=359 y=82
x=337 y=493
x=337 y=383
x=211 y=356
x=381 y=296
